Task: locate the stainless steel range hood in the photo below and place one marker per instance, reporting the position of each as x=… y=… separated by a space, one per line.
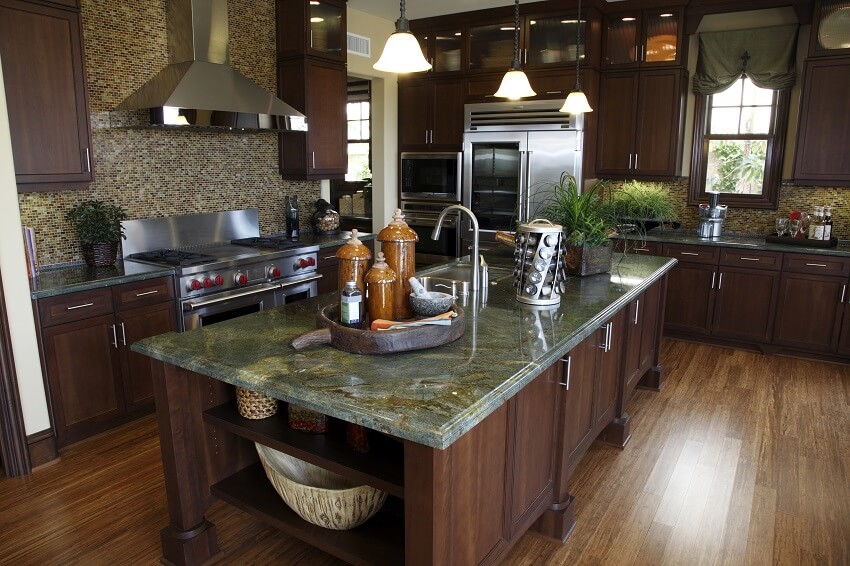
x=199 y=87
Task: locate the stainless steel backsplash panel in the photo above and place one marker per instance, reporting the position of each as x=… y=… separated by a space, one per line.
x=189 y=230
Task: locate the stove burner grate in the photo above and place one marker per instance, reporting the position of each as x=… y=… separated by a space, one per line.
x=173 y=257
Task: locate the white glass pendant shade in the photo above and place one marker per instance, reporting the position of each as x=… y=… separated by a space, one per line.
x=402 y=54
x=576 y=103
x=514 y=86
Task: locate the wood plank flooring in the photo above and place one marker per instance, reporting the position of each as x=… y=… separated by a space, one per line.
x=741 y=459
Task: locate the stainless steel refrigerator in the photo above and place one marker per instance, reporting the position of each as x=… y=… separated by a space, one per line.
x=513 y=152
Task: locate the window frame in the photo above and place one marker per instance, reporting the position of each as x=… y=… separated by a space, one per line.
x=775 y=155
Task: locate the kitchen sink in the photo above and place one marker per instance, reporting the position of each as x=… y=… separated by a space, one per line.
x=456 y=278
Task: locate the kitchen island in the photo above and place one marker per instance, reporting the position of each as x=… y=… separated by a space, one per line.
x=472 y=450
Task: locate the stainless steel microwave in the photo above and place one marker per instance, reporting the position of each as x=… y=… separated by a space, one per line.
x=431 y=176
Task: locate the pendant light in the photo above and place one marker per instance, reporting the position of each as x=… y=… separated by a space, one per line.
x=402 y=53
x=515 y=84
x=576 y=102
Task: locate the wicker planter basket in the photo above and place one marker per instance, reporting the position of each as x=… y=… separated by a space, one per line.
x=319 y=496
x=100 y=254
x=254 y=405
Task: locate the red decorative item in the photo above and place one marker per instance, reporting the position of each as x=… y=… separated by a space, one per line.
x=307 y=420
x=357 y=436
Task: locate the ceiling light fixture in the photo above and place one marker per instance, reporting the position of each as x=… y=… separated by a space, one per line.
x=402 y=53
x=576 y=102
x=515 y=84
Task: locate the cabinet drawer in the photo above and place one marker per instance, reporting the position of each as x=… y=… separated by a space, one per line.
x=693 y=254
x=638 y=247
x=74 y=306
x=751 y=258
x=327 y=257
x=816 y=264
x=143 y=293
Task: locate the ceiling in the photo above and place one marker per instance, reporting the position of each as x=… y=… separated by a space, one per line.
x=415 y=9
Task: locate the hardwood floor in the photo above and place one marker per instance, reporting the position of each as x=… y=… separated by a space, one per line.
x=741 y=459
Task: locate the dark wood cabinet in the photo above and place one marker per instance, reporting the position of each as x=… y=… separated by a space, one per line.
x=431 y=114
x=744 y=303
x=844 y=337
x=95 y=381
x=641 y=123
x=830 y=34
x=647 y=38
x=822 y=135
x=444 y=48
x=810 y=311
x=609 y=378
x=641 y=339
x=580 y=369
x=44 y=74
x=316 y=28
x=690 y=298
x=318 y=89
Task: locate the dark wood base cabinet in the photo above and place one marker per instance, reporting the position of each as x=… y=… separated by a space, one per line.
x=95 y=381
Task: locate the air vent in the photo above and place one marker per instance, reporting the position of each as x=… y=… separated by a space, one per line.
x=359 y=45
x=531 y=115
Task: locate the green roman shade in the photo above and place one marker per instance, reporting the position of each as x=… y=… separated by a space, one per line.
x=765 y=55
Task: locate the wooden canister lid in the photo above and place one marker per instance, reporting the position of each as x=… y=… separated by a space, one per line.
x=380 y=272
x=398 y=230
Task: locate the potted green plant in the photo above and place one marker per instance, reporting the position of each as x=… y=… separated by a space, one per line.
x=98 y=227
x=642 y=204
x=588 y=226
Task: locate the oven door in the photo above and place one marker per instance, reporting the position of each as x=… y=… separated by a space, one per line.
x=422 y=218
x=208 y=310
x=292 y=291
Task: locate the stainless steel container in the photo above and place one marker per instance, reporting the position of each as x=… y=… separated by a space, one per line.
x=711 y=218
x=539 y=275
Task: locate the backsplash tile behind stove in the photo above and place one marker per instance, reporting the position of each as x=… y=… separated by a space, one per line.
x=167 y=172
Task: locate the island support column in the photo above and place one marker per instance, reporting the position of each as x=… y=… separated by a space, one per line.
x=189 y=538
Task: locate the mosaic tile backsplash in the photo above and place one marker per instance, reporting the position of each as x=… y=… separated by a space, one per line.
x=154 y=173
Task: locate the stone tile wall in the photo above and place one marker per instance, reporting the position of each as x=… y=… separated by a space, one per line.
x=161 y=173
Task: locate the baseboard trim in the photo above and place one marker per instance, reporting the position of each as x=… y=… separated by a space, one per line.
x=42 y=447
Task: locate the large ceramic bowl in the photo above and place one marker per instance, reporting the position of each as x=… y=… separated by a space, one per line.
x=437 y=303
x=319 y=496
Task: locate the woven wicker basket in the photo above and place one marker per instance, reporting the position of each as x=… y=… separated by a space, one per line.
x=254 y=405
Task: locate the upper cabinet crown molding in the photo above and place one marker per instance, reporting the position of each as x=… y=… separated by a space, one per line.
x=699 y=8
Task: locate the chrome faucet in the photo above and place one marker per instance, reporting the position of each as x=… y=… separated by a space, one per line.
x=475 y=258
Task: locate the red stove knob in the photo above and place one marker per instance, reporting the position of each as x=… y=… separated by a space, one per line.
x=311 y=262
x=218 y=280
x=274 y=271
x=208 y=282
x=194 y=285
x=302 y=263
x=241 y=278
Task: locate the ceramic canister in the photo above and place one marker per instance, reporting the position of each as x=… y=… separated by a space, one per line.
x=398 y=242
x=353 y=260
x=380 y=289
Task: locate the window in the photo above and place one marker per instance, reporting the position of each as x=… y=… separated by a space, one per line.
x=739 y=141
x=359 y=141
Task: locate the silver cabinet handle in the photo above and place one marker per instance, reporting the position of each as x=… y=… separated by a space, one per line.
x=79 y=306
x=155 y=291
x=123 y=335
x=313 y=156
x=114 y=337
x=749 y=259
x=713 y=275
x=329 y=257
x=720 y=281
x=88 y=159
x=688 y=253
x=816 y=265
x=569 y=362
x=610 y=332
x=636 y=160
x=554 y=92
x=843 y=290
x=637 y=309
x=641 y=249
x=630 y=161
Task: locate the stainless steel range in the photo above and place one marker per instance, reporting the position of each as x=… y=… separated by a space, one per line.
x=224 y=268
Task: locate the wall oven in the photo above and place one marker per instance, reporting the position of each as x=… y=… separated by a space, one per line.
x=205 y=311
x=431 y=176
x=422 y=217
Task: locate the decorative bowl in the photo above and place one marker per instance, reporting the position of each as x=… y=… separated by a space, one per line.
x=319 y=496
x=437 y=303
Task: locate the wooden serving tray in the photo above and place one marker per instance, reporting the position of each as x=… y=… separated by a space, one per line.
x=774 y=239
x=361 y=341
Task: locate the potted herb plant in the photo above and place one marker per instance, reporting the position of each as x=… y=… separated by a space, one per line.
x=98 y=227
x=587 y=224
x=642 y=204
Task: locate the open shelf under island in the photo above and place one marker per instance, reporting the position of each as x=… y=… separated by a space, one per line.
x=473 y=441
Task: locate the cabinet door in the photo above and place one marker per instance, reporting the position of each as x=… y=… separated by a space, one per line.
x=577 y=394
x=133 y=325
x=657 y=130
x=617 y=101
x=620 y=40
x=690 y=298
x=809 y=310
x=844 y=339
x=744 y=303
x=447 y=114
x=823 y=136
x=414 y=111
x=634 y=329
x=317 y=28
x=46 y=95
x=662 y=37
x=328 y=267
x=83 y=375
x=609 y=378
x=647 y=314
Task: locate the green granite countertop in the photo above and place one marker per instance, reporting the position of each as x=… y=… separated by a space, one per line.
x=75 y=277
x=746 y=241
x=432 y=396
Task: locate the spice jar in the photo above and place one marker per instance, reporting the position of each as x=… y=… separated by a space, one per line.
x=398 y=242
x=380 y=282
x=353 y=259
x=325 y=220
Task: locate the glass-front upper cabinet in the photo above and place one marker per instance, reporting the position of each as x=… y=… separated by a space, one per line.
x=648 y=38
x=442 y=48
x=832 y=22
x=315 y=27
x=491 y=47
x=552 y=40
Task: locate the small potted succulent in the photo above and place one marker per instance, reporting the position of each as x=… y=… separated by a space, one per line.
x=98 y=227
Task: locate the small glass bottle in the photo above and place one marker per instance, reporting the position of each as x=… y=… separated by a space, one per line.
x=816 y=225
x=351 y=305
x=827 y=223
x=380 y=283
